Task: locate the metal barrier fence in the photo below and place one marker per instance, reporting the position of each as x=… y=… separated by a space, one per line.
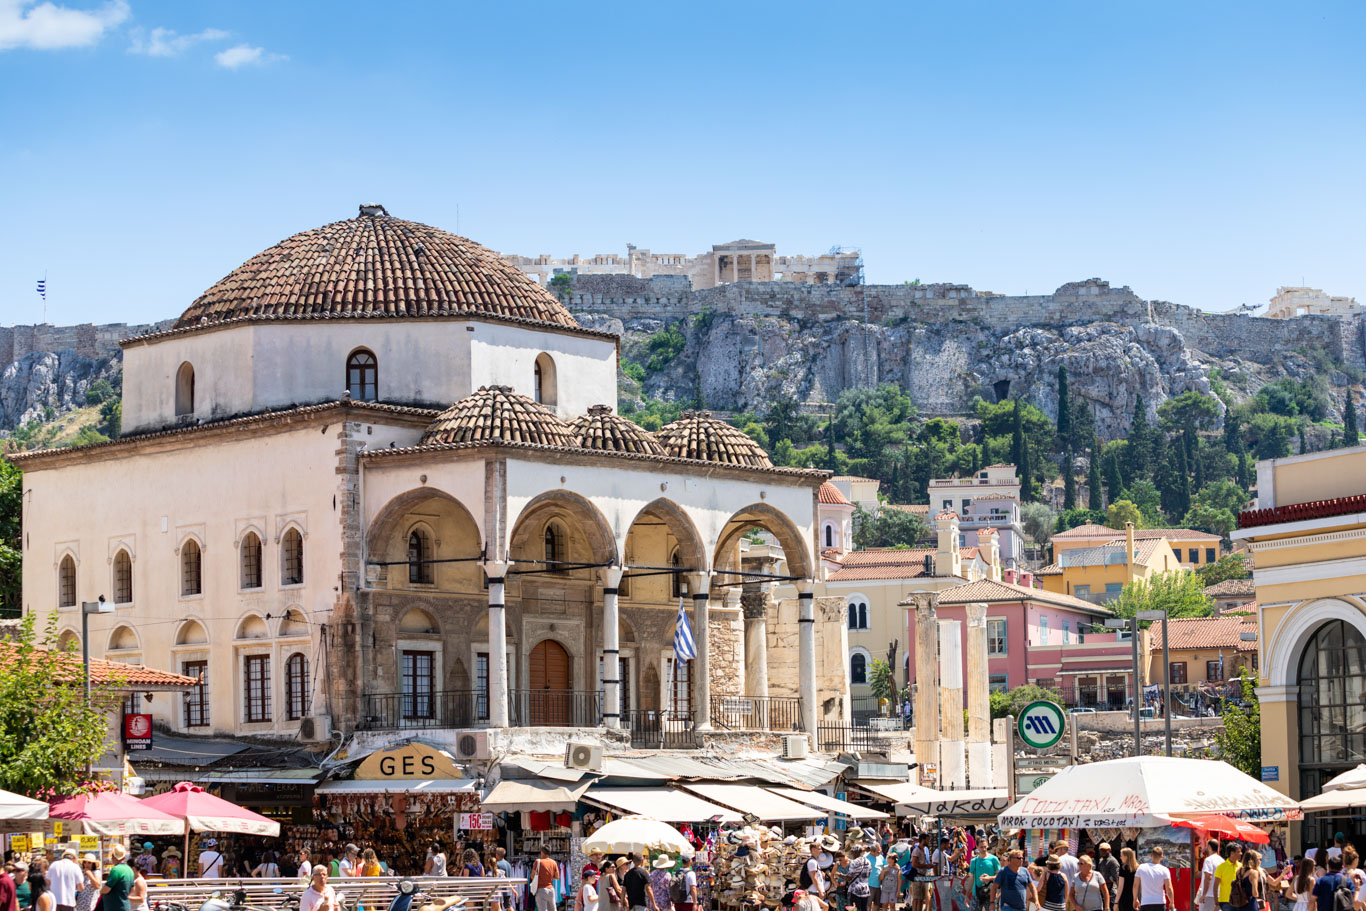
x=282 y=893
x=652 y=729
x=757 y=713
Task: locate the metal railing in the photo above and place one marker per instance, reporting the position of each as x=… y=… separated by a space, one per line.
x=839 y=738
x=756 y=713
x=654 y=729
x=554 y=708
x=284 y=892
x=439 y=709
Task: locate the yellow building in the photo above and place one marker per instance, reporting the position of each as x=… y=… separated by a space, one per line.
x=1308 y=543
x=1205 y=653
x=1097 y=574
x=1193 y=549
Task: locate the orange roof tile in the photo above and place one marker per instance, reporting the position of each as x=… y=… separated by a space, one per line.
x=1089 y=530
x=498 y=413
x=1232 y=588
x=105 y=673
x=1206 y=633
x=830 y=495
x=698 y=435
x=993 y=592
x=604 y=431
x=890 y=563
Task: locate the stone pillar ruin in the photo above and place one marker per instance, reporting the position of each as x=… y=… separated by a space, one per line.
x=498 y=645
x=979 y=699
x=754 y=605
x=806 y=650
x=699 y=586
x=926 y=679
x=952 y=763
x=611 y=648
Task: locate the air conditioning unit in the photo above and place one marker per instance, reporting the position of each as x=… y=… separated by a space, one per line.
x=794 y=746
x=136 y=787
x=583 y=756
x=315 y=729
x=472 y=745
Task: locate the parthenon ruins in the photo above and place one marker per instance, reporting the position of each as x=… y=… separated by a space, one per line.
x=737 y=261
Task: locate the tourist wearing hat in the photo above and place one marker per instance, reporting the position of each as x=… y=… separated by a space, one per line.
x=660 y=881
x=90 y=883
x=118 y=883
x=146 y=861
x=22 y=889
x=210 y=860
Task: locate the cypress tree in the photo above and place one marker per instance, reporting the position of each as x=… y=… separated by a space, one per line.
x=1350 y=436
x=1017 y=444
x=1114 y=478
x=1026 y=476
x=1304 y=445
x=1095 y=498
x=1064 y=411
x=1141 y=444
x=831 y=463
x=1192 y=442
x=1069 y=482
x=1182 y=502
x=1244 y=471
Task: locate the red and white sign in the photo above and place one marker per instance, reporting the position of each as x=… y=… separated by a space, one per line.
x=137 y=732
x=476 y=821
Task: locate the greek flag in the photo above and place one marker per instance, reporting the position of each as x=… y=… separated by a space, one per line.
x=684 y=648
x=42 y=287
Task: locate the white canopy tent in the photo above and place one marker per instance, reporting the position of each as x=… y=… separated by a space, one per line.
x=971 y=802
x=754 y=800
x=830 y=804
x=1141 y=791
x=665 y=804
x=17 y=806
x=1344 y=792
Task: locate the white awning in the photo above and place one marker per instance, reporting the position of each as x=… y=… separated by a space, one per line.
x=967 y=802
x=664 y=804
x=830 y=804
x=533 y=795
x=397 y=786
x=752 y=799
x=896 y=791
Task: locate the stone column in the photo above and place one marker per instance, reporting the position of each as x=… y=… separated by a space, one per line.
x=755 y=608
x=699 y=586
x=611 y=648
x=926 y=679
x=979 y=699
x=806 y=651
x=952 y=771
x=498 y=645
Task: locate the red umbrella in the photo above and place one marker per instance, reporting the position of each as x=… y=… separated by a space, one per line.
x=203 y=812
x=114 y=814
x=1225 y=826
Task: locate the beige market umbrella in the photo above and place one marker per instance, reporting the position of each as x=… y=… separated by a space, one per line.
x=1344 y=792
x=637 y=835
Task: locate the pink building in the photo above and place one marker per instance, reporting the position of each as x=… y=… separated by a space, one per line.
x=1035 y=636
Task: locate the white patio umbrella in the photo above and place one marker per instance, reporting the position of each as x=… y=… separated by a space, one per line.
x=17 y=806
x=637 y=835
x=1141 y=791
x=1341 y=793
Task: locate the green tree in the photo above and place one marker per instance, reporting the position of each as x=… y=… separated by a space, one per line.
x=1069 y=483
x=1064 y=411
x=1229 y=566
x=880 y=680
x=1121 y=511
x=889 y=528
x=1114 y=479
x=1179 y=593
x=561 y=285
x=1018 y=453
x=1211 y=519
x=1189 y=410
x=48 y=733
x=1013 y=702
x=1350 y=436
x=1037 y=520
x=1223 y=495
x=11 y=498
x=1140 y=448
x=784 y=453
x=1095 y=496
x=98 y=391
x=1145 y=496
x=1071 y=518
x=1240 y=742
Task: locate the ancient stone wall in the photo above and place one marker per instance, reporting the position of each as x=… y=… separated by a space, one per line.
x=832 y=645
x=87 y=339
x=726 y=641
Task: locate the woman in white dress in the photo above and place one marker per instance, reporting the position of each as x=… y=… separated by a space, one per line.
x=1301 y=889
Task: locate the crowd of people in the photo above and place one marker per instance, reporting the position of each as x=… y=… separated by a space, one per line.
x=73 y=882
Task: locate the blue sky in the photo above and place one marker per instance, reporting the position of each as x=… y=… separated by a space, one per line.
x=1199 y=152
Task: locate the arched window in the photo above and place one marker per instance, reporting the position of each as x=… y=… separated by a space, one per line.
x=66 y=582
x=251 y=560
x=554 y=546
x=858 y=668
x=858 y=614
x=419 y=557
x=829 y=536
x=292 y=558
x=543 y=380
x=362 y=376
x=191 y=579
x=123 y=578
x=296 y=686
x=676 y=585
x=184 y=389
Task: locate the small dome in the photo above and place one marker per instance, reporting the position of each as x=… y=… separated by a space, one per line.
x=830 y=495
x=372 y=266
x=496 y=413
x=698 y=435
x=604 y=431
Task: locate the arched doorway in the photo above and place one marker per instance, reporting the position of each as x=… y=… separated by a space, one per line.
x=548 y=679
x=1332 y=709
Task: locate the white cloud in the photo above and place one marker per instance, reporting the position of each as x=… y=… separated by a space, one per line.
x=245 y=55
x=165 y=42
x=47 y=26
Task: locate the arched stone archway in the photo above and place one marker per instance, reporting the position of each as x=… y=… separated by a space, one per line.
x=424 y=539
x=662 y=535
x=590 y=538
x=796 y=549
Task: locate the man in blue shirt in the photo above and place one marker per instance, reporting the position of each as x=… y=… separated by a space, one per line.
x=1328 y=884
x=1013 y=885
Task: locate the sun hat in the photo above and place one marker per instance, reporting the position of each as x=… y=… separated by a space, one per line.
x=69 y=853
x=147 y=846
x=172 y=851
x=118 y=852
x=90 y=859
x=662 y=862
x=210 y=842
x=830 y=842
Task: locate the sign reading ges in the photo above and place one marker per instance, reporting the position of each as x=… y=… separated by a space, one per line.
x=413 y=760
x=1041 y=724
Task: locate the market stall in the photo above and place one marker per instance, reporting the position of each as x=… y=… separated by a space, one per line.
x=1148 y=796
x=205 y=812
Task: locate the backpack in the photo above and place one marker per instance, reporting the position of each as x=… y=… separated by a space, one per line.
x=678 y=889
x=1237 y=894
x=805 y=879
x=1343 y=896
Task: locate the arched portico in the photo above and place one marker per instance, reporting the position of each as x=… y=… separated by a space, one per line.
x=796 y=549
x=424 y=539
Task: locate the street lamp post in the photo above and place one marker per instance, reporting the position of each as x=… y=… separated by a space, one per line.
x=1166 y=672
x=88 y=608
x=1118 y=624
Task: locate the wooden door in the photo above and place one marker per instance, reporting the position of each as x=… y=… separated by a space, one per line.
x=549 y=676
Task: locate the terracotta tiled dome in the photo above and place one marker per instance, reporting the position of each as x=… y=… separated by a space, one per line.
x=375 y=266
x=830 y=495
x=498 y=413
x=698 y=435
x=602 y=430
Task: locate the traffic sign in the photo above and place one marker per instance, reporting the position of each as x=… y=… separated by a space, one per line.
x=1041 y=724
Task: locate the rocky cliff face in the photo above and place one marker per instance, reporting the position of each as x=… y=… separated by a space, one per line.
x=742 y=354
